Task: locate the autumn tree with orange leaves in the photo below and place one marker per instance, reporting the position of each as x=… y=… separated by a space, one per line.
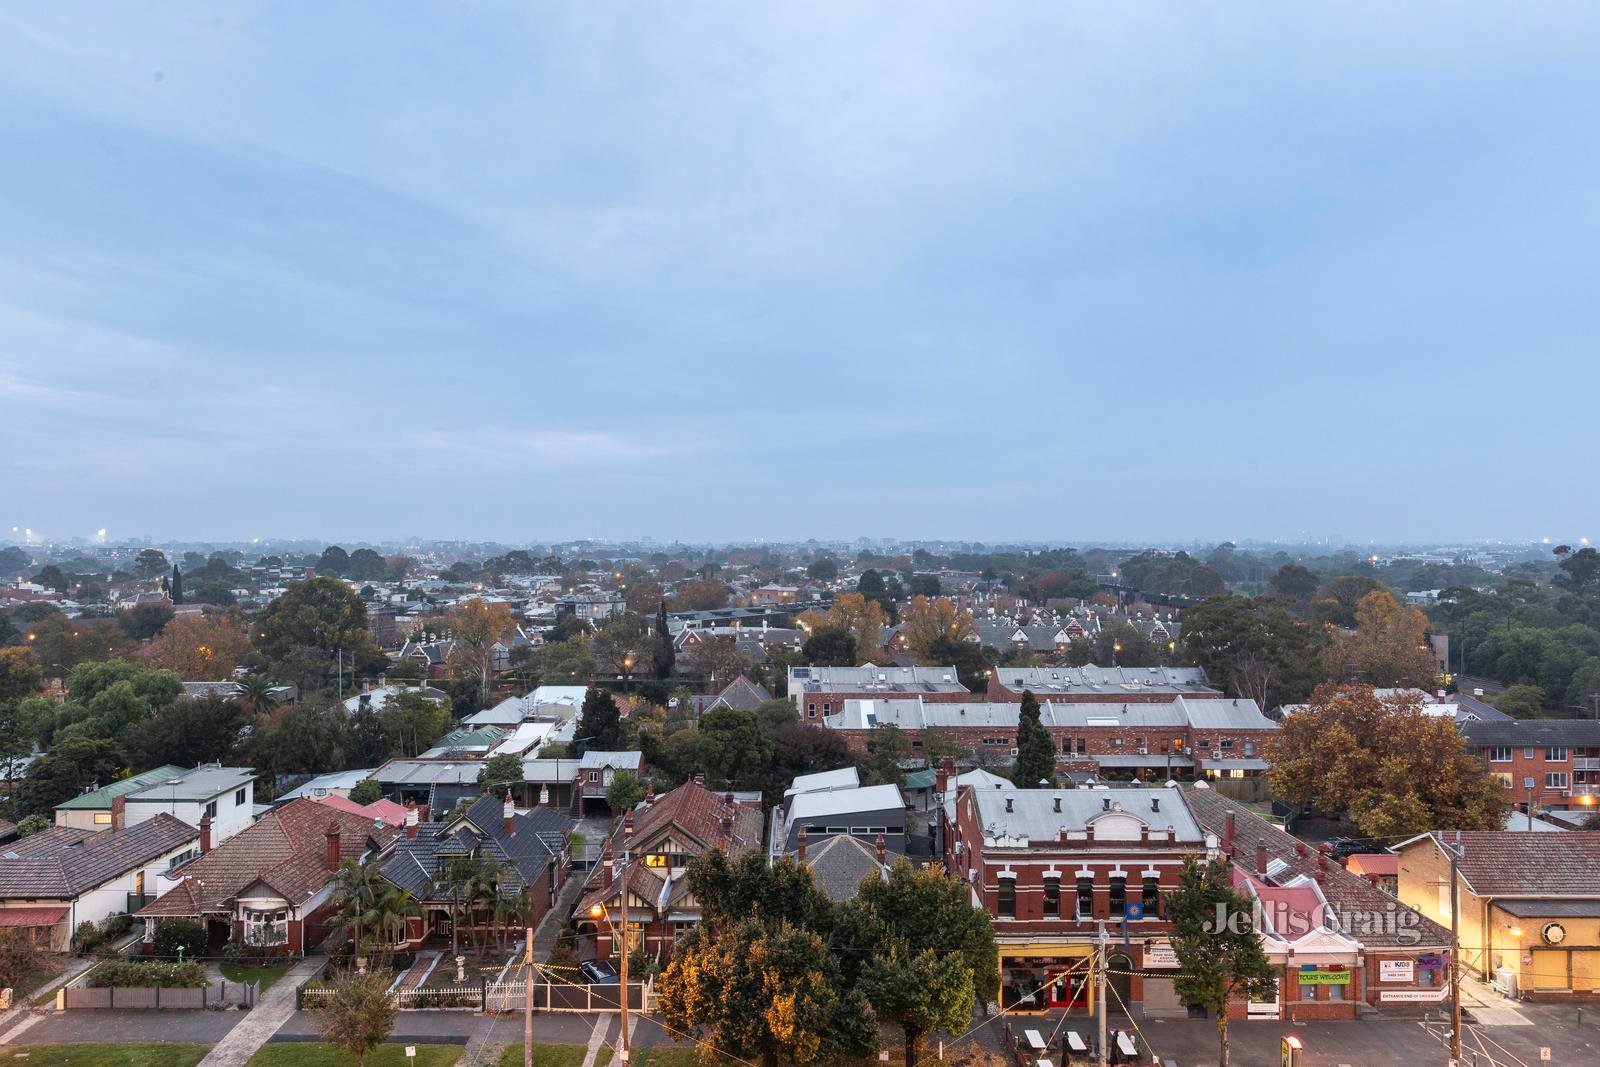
x=925 y=620
x=475 y=626
x=854 y=612
x=200 y=648
x=1388 y=648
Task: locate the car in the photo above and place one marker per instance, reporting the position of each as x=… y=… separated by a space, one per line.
x=598 y=972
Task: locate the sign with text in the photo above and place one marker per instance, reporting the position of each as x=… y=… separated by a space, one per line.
x=1412 y=996
x=1396 y=971
x=1158 y=955
x=1324 y=977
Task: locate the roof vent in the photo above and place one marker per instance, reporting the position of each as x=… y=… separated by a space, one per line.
x=1105 y=804
x=1008 y=803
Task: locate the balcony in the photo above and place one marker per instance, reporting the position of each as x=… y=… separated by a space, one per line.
x=1585 y=763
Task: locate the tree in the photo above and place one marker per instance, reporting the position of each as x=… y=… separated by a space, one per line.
x=356 y=888
x=599 y=723
x=366 y=791
x=308 y=738
x=151 y=563
x=565 y=662
x=498 y=773
x=20 y=674
x=617 y=644
x=924 y=956
x=365 y=565
x=175 y=585
x=360 y=1014
x=1218 y=960
x=200 y=648
x=335 y=561
x=624 y=792
x=823 y=570
x=174 y=934
x=972 y=661
x=1293 y=582
x=188 y=733
x=699 y=594
x=885 y=752
x=1255 y=648
x=69 y=768
x=830 y=646
x=110 y=698
x=1336 y=601
x=1394 y=769
x=323 y=617
x=62 y=643
x=716 y=659
x=663 y=652
x=1389 y=647
x=1036 y=749
x=1519 y=701
x=144 y=621
x=413 y=722
x=19 y=957
x=927 y=621
x=863 y=617
x=1579 y=571
x=733 y=749
x=477 y=626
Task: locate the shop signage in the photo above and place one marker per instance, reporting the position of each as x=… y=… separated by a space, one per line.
x=1412 y=996
x=1324 y=977
x=1431 y=961
x=1395 y=971
x=1158 y=954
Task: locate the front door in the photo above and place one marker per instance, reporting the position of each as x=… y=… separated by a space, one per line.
x=1068 y=989
x=1119 y=984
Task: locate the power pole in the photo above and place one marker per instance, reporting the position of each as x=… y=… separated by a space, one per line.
x=1102 y=1053
x=527 y=994
x=623 y=1055
x=1455 y=952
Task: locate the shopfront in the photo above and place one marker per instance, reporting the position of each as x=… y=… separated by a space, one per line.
x=1040 y=976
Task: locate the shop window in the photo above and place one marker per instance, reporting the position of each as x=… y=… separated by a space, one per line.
x=1052 y=898
x=1336 y=992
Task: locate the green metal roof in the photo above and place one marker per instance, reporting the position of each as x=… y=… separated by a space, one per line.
x=102 y=797
x=921 y=779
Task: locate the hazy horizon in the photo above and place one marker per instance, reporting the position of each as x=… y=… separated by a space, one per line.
x=716 y=273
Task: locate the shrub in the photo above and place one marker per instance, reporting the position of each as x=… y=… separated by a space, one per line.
x=126 y=973
x=174 y=933
x=87 y=937
x=116 y=924
x=18 y=956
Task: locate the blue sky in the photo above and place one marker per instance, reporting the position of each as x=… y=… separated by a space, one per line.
x=1058 y=271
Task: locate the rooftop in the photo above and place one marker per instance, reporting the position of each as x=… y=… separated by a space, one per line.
x=100 y=799
x=202 y=783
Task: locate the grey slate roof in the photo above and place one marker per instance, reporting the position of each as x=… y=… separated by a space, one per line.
x=1033 y=813
x=1045 y=680
x=839 y=863
x=1570 y=733
x=63 y=862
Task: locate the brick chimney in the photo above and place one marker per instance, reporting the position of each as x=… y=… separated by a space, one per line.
x=882 y=850
x=1227 y=834
x=941 y=777
x=119 y=812
x=649 y=793
x=411 y=818
x=331 y=858
x=1322 y=859
x=423 y=811
x=1261 y=859
x=800 y=843
x=606 y=863
x=205 y=833
x=700 y=779
x=509 y=813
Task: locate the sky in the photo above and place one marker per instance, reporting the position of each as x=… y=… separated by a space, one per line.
x=734 y=271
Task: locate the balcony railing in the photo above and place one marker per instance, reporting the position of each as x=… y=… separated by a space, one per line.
x=1585 y=763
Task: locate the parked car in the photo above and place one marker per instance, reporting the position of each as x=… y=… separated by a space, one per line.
x=598 y=972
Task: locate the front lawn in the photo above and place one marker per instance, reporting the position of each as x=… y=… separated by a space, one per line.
x=104 y=1055
x=320 y=1054
x=553 y=1056
x=249 y=972
x=666 y=1056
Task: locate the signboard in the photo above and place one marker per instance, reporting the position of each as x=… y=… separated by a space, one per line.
x=1412 y=996
x=1395 y=971
x=1431 y=961
x=1324 y=977
x=1158 y=954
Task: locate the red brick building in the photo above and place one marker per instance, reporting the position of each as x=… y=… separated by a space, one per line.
x=648 y=855
x=1554 y=763
x=1105 y=685
x=1177 y=737
x=821 y=691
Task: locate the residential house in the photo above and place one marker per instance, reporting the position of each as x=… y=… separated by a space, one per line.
x=1529 y=905
x=269 y=886
x=338 y=783
x=529 y=851
x=576 y=783
x=226 y=795
x=647 y=858
x=55 y=879
x=875 y=814
x=840 y=863
x=92 y=810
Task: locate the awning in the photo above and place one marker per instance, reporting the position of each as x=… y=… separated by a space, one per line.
x=1236 y=764
x=32 y=916
x=1549 y=909
x=1157 y=761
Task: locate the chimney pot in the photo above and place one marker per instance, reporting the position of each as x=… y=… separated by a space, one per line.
x=1261 y=858
x=1008 y=804
x=1058 y=804
x=1227 y=834
x=411 y=818
x=205 y=834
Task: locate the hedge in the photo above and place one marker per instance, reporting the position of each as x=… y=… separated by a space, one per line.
x=185 y=975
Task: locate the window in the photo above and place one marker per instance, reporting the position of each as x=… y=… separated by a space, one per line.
x=238 y=797
x=657 y=859
x=1227 y=743
x=1080 y=746
x=811 y=710
x=1052 y=898
x=1085 y=898
x=211 y=808
x=102 y=818
x=1426 y=976
x=1527 y=752
x=266 y=927
x=1066 y=746
x=1008 y=898
x=1152 y=897
x=1116 y=742
x=1249 y=748
x=1498 y=753
x=1336 y=992
x=1119 y=895
x=594 y=776
x=1557 y=780
x=1204 y=742
x=1556 y=754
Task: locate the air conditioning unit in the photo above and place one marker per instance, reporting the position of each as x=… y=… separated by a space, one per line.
x=1013 y=752
x=1143 y=751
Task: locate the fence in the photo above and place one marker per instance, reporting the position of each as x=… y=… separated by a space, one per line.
x=507 y=996
x=166 y=998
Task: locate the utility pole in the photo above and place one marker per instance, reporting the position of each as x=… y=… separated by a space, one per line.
x=1102 y=1053
x=1455 y=952
x=624 y=975
x=527 y=993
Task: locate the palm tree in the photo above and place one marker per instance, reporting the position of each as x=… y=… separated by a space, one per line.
x=390 y=912
x=455 y=873
x=255 y=693
x=356 y=889
x=508 y=912
x=483 y=883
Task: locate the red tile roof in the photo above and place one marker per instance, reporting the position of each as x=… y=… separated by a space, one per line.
x=32 y=916
x=286 y=849
x=1512 y=863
